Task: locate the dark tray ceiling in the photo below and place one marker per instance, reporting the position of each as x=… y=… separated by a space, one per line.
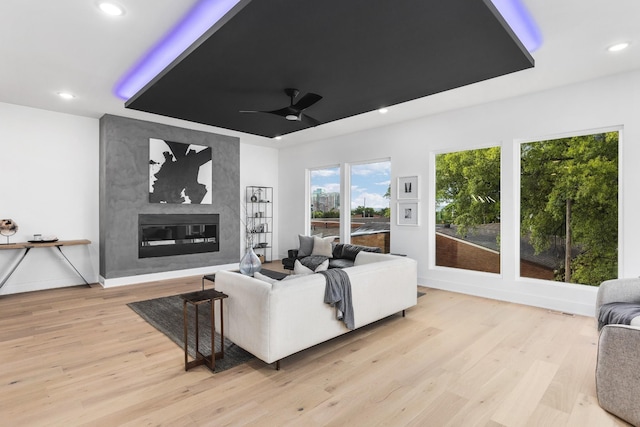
x=360 y=55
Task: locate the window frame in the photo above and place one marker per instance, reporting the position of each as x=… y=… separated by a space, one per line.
x=431 y=208
x=348 y=172
x=517 y=162
x=308 y=194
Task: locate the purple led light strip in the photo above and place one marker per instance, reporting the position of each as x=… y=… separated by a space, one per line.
x=199 y=19
x=521 y=22
x=207 y=12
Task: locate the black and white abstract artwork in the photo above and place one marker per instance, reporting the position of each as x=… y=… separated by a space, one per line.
x=179 y=172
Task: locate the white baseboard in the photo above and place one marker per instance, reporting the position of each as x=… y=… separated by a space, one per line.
x=142 y=278
x=561 y=298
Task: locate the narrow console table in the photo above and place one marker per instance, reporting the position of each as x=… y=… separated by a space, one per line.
x=27 y=246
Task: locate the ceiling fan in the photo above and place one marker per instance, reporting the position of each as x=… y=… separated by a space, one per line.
x=294 y=112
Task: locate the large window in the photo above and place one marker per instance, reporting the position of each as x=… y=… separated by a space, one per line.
x=325 y=202
x=569 y=209
x=370 y=195
x=468 y=210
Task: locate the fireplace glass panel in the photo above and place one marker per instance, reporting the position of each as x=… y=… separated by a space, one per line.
x=173 y=234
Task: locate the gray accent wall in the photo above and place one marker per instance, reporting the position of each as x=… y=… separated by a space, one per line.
x=124 y=194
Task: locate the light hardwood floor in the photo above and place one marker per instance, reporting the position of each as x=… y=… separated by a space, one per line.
x=80 y=356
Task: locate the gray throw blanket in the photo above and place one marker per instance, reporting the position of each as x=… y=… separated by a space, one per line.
x=337 y=293
x=619 y=313
x=313 y=261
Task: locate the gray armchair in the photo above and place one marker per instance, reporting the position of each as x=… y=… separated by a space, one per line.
x=618 y=365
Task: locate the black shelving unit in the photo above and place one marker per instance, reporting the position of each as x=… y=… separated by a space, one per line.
x=259 y=219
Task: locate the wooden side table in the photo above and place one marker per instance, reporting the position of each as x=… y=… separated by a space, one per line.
x=210 y=277
x=197 y=298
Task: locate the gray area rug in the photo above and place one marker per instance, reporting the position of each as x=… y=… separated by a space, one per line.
x=165 y=314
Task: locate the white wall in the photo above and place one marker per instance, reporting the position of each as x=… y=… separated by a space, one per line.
x=603 y=103
x=259 y=167
x=49 y=176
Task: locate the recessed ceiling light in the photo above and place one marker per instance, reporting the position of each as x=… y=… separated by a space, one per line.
x=618 y=47
x=383 y=110
x=111 y=8
x=66 y=95
x=278 y=138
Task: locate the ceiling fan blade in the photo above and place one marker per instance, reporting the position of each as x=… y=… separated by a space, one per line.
x=309 y=120
x=284 y=112
x=281 y=112
x=307 y=101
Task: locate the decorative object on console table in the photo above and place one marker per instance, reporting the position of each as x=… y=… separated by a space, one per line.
x=8 y=228
x=250 y=263
x=259 y=220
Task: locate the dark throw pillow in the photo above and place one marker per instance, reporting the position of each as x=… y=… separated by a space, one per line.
x=337 y=250
x=350 y=251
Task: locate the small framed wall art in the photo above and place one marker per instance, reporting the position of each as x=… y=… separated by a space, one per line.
x=408 y=187
x=408 y=213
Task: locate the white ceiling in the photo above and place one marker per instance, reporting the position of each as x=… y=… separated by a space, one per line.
x=69 y=45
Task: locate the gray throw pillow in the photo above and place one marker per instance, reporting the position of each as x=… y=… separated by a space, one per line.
x=306 y=245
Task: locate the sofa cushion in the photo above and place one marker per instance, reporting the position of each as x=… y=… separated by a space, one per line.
x=337 y=250
x=621 y=313
x=322 y=246
x=340 y=263
x=306 y=245
x=351 y=251
x=298 y=268
x=366 y=257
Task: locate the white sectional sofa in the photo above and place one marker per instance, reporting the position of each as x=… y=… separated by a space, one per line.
x=275 y=320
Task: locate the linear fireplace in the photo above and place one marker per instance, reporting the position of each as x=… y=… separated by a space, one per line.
x=177 y=234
